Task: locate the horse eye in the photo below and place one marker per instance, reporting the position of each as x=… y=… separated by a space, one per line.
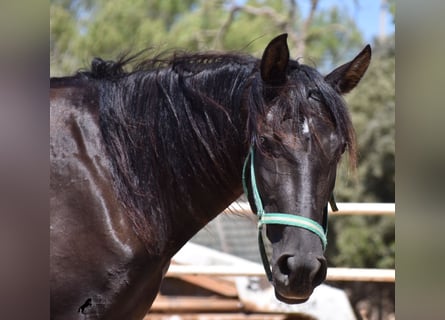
x=270 y=146
x=264 y=143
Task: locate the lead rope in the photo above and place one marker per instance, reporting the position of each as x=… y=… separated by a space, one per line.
x=281 y=218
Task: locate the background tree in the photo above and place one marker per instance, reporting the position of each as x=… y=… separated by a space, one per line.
x=370 y=241
x=81 y=29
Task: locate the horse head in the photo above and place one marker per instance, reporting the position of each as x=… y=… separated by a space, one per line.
x=300 y=133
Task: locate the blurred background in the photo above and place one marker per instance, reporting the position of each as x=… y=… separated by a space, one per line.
x=324 y=34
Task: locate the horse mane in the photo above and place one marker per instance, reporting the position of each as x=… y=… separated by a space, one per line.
x=181 y=111
x=181 y=61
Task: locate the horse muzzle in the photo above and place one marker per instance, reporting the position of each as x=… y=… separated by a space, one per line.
x=295 y=278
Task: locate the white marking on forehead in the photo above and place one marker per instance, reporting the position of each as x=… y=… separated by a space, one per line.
x=305 y=126
x=270 y=116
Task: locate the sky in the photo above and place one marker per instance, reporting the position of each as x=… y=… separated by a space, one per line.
x=366 y=14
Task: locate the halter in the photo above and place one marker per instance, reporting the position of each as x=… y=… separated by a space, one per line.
x=281 y=218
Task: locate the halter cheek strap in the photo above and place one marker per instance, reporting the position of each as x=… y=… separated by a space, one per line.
x=280 y=218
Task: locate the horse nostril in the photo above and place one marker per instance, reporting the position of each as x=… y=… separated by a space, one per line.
x=320 y=274
x=284 y=265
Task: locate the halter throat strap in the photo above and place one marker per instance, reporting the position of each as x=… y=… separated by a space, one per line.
x=280 y=218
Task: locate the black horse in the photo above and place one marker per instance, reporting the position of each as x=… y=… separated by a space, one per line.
x=142 y=160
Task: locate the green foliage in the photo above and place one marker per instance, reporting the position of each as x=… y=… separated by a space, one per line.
x=363 y=242
x=333 y=39
x=372 y=106
x=82 y=29
x=63 y=41
x=370 y=241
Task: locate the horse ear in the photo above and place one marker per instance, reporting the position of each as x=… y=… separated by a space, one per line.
x=275 y=60
x=344 y=78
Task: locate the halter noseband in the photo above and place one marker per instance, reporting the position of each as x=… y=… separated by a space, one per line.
x=281 y=218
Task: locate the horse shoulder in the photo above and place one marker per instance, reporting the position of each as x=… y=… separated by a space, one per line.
x=95 y=255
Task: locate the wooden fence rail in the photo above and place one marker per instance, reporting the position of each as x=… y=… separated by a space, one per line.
x=345 y=208
x=334 y=274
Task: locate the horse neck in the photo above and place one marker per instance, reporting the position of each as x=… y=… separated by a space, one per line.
x=210 y=151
